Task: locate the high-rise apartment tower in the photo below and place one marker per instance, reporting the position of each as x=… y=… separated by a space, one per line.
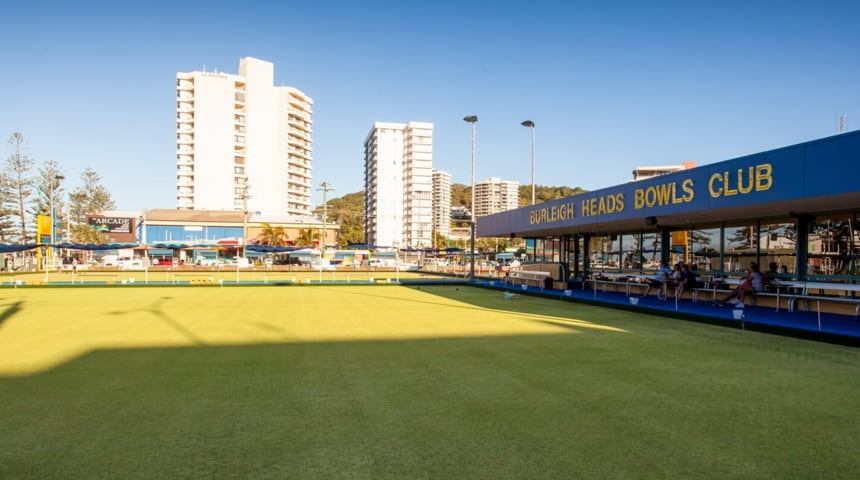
x=442 y=202
x=242 y=143
x=495 y=195
x=398 y=188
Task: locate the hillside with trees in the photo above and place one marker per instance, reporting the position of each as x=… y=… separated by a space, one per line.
x=348 y=212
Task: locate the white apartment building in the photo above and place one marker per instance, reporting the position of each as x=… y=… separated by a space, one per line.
x=398 y=188
x=442 y=202
x=495 y=195
x=241 y=139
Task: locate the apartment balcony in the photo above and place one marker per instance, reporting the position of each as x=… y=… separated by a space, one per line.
x=298 y=178
x=187 y=128
x=184 y=118
x=299 y=161
x=304 y=122
x=293 y=142
x=303 y=152
x=185 y=140
x=300 y=107
x=185 y=160
x=299 y=188
x=185 y=182
x=300 y=125
x=184 y=171
x=184 y=150
x=184 y=107
x=185 y=192
x=300 y=199
x=300 y=169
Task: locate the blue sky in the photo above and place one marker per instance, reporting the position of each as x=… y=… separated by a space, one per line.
x=610 y=85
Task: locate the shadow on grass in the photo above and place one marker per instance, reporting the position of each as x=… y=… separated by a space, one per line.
x=536 y=406
x=157 y=310
x=671 y=402
x=10 y=311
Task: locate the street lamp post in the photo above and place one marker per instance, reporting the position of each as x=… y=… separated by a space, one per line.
x=54 y=184
x=325 y=187
x=245 y=197
x=530 y=124
x=473 y=119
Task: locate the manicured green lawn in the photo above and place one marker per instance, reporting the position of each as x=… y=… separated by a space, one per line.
x=377 y=382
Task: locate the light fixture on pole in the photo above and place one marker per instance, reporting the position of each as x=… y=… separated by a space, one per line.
x=473 y=119
x=531 y=125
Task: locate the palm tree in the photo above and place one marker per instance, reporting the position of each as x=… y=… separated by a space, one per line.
x=273 y=236
x=306 y=238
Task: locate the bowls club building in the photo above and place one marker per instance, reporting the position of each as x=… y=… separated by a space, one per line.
x=796 y=207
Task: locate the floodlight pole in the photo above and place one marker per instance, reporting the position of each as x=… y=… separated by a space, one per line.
x=325 y=187
x=530 y=124
x=473 y=119
x=55 y=181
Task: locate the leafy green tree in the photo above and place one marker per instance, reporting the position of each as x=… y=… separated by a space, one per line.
x=307 y=237
x=7 y=220
x=18 y=186
x=49 y=183
x=273 y=236
x=91 y=198
x=461 y=195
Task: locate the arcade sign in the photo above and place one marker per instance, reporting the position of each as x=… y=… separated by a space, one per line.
x=111 y=224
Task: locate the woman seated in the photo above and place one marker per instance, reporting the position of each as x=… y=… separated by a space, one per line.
x=753 y=283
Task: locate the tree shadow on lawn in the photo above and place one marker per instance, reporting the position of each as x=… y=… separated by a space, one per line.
x=10 y=311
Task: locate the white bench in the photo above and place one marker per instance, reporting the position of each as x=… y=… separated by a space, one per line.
x=711 y=289
x=805 y=296
x=524 y=276
x=602 y=281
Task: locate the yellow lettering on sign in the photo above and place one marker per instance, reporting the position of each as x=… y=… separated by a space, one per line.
x=687 y=187
x=603 y=205
x=757 y=178
x=663 y=194
x=763 y=177
x=551 y=214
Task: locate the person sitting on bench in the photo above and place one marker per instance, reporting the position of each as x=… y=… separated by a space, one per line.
x=659 y=280
x=752 y=284
x=691 y=280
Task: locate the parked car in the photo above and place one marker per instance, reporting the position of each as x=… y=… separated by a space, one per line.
x=128 y=263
